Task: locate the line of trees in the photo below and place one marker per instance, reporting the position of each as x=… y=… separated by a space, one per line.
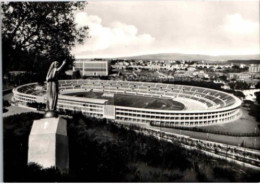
x=239 y=85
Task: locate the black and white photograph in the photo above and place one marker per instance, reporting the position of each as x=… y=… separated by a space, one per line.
x=130 y=91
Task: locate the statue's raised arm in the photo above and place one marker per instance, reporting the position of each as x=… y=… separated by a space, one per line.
x=52 y=88
x=62 y=65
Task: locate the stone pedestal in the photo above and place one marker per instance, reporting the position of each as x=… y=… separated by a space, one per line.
x=48 y=144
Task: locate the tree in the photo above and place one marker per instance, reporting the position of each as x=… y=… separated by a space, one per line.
x=36 y=33
x=239 y=94
x=257 y=86
x=223 y=77
x=257 y=94
x=239 y=85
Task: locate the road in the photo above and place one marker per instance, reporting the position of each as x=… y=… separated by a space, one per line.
x=249 y=142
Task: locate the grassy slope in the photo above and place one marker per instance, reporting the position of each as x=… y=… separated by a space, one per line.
x=101 y=151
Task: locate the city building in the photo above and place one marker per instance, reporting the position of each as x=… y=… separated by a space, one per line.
x=254 y=68
x=240 y=76
x=88 y=67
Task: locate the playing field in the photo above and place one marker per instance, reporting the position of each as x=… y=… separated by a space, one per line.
x=135 y=101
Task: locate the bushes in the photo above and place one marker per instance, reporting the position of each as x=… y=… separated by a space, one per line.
x=257 y=94
x=255 y=111
x=37 y=105
x=220 y=172
x=6 y=103
x=15 y=144
x=35 y=173
x=102 y=151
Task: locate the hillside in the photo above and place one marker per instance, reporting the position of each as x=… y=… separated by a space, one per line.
x=178 y=56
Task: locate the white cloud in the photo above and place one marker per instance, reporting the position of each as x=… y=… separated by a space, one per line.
x=119 y=28
x=115 y=36
x=83 y=19
x=236 y=24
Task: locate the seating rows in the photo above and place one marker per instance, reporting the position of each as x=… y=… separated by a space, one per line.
x=29 y=89
x=212 y=98
x=206 y=96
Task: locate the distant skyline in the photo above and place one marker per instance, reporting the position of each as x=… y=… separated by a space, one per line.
x=128 y=28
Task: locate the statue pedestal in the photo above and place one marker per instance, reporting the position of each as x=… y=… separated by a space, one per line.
x=48 y=144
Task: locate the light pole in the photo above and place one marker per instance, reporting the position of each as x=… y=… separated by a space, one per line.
x=255 y=143
x=160 y=129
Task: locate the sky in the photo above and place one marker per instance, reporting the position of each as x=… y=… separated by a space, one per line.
x=128 y=28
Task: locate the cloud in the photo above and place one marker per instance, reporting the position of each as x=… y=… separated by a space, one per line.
x=116 y=36
x=83 y=19
x=236 y=24
x=119 y=28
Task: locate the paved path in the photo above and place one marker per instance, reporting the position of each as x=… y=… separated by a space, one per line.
x=245 y=124
x=8 y=96
x=13 y=110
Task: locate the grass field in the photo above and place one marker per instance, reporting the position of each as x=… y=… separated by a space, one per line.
x=135 y=101
x=147 y=102
x=245 y=124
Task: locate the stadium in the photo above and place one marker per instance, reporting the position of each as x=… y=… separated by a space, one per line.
x=159 y=104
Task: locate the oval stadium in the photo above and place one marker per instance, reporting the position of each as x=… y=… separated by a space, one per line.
x=159 y=104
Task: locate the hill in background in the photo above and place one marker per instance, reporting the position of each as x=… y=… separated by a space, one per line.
x=177 y=56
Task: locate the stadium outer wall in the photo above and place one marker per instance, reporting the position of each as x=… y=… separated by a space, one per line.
x=222 y=107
